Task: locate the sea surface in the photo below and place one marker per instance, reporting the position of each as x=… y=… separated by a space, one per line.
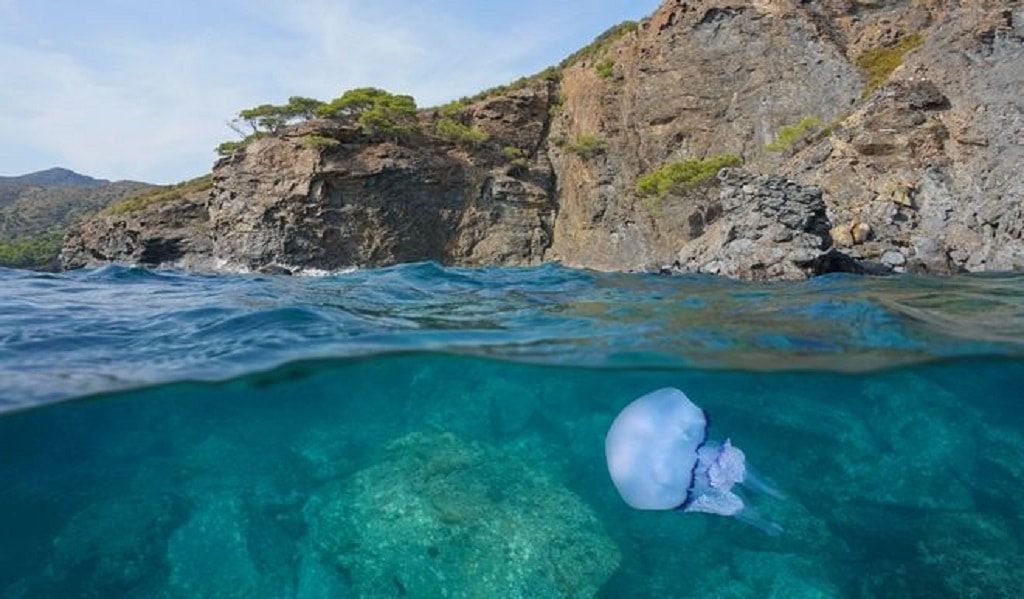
x=422 y=431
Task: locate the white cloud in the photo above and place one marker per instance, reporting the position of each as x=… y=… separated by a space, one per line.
x=156 y=116
x=149 y=102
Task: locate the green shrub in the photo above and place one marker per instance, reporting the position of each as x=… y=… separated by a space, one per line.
x=601 y=43
x=516 y=156
x=676 y=177
x=269 y=118
x=319 y=141
x=455 y=131
x=353 y=102
x=452 y=108
x=605 y=69
x=557 y=105
x=166 y=193
x=230 y=147
x=548 y=75
x=788 y=136
x=36 y=251
x=587 y=146
x=390 y=115
x=375 y=110
x=879 y=63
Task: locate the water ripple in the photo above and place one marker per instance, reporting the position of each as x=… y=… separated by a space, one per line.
x=71 y=334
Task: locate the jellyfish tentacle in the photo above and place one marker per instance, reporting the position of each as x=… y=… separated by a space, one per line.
x=756 y=481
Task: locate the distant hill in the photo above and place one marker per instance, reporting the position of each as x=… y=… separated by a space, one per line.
x=53 y=177
x=33 y=203
x=35 y=208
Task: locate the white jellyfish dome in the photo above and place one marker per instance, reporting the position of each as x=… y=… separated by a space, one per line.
x=651 y=449
x=659 y=458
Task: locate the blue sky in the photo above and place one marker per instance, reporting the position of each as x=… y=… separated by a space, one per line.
x=141 y=89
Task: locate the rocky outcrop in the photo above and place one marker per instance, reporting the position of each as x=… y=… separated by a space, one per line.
x=770 y=229
x=168 y=234
x=366 y=204
x=930 y=164
x=921 y=174
x=696 y=79
x=284 y=205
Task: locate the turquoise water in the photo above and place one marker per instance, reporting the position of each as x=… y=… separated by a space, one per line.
x=427 y=432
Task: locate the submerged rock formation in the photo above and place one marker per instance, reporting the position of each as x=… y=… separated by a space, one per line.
x=443 y=517
x=907 y=115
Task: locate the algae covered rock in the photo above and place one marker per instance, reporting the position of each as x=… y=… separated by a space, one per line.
x=439 y=516
x=110 y=548
x=971 y=555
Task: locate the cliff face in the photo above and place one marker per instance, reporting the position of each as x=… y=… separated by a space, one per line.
x=932 y=162
x=920 y=173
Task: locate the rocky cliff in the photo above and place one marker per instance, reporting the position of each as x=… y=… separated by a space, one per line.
x=887 y=135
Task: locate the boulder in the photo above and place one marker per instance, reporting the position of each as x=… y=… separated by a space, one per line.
x=438 y=516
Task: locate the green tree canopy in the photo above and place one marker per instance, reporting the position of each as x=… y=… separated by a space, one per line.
x=376 y=110
x=391 y=115
x=302 y=108
x=354 y=102
x=269 y=118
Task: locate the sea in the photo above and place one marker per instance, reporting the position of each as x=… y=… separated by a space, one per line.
x=425 y=431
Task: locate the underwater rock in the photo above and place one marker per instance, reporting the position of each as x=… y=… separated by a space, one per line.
x=439 y=516
x=771 y=574
x=970 y=555
x=110 y=548
x=917 y=456
x=214 y=555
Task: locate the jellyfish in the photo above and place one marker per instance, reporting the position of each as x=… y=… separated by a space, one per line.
x=659 y=458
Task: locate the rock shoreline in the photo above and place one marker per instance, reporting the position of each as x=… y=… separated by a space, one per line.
x=921 y=175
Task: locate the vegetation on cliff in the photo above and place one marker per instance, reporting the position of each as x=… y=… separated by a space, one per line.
x=34 y=251
x=553 y=74
x=456 y=132
x=601 y=43
x=268 y=118
x=380 y=112
x=586 y=145
x=605 y=69
x=168 y=193
x=376 y=111
x=789 y=136
x=677 y=177
x=319 y=141
x=879 y=63
x=517 y=157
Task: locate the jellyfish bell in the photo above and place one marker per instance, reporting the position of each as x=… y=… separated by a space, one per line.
x=659 y=458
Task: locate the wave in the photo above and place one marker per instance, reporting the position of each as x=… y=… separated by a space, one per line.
x=72 y=334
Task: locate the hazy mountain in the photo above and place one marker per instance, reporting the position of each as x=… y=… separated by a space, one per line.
x=37 y=202
x=35 y=209
x=52 y=177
